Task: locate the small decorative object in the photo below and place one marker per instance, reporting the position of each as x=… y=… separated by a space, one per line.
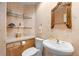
x=19 y=24
x=11 y=25
x=18 y=35
x=26 y=17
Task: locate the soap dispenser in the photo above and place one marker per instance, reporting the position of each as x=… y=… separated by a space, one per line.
x=40 y=28
x=40 y=31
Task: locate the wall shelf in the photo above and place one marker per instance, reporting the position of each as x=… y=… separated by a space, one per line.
x=21 y=27
x=16 y=14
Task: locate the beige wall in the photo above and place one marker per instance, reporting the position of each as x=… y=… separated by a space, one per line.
x=75 y=27
x=27 y=10
x=17 y=8
x=44 y=18
x=2 y=29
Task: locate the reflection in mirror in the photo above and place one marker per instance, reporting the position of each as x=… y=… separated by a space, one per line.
x=61 y=15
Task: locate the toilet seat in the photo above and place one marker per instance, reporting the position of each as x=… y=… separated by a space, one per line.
x=30 y=51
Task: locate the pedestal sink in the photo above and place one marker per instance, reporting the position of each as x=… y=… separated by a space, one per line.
x=61 y=48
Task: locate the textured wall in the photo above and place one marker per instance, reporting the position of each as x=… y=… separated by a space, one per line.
x=44 y=18
x=30 y=12
x=27 y=10
x=17 y=8
x=2 y=29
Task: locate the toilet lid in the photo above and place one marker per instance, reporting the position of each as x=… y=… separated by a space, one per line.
x=30 y=51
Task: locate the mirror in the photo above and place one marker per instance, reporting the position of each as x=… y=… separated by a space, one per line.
x=61 y=15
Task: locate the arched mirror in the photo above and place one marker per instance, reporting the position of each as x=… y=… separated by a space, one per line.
x=61 y=15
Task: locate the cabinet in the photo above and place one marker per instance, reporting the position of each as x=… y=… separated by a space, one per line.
x=16 y=48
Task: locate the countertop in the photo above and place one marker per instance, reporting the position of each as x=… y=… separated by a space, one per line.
x=10 y=40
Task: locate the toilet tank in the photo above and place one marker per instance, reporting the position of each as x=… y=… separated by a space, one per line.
x=39 y=44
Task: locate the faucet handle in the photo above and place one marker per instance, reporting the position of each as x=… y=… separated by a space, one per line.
x=57 y=40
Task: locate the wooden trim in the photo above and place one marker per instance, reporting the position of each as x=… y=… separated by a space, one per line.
x=69 y=23
x=16 y=50
x=59 y=3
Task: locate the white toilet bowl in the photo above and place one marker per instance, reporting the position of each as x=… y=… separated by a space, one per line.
x=34 y=51
x=31 y=52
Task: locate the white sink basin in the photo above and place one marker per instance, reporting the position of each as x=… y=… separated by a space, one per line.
x=62 y=48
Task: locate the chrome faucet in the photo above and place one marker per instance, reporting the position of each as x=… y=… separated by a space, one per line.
x=57 y=41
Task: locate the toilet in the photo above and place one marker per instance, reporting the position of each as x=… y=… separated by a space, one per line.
x=34 y=51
